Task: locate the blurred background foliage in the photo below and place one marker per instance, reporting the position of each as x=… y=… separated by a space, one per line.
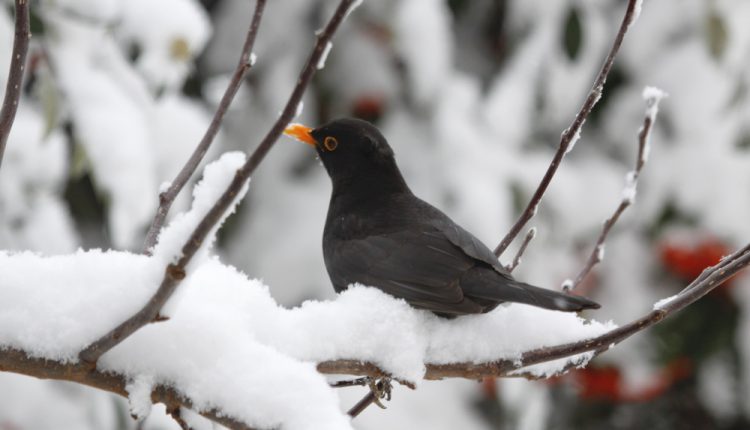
x=473 y=96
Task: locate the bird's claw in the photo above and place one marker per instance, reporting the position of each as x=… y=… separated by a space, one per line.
x=381 y=389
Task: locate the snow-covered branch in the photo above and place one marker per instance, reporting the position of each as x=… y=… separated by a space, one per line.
x=572 y=133
x=244 y=64
x=523 y=365
x=17 y=361
x=175 y=272
x=255 y=342
x=14 y=85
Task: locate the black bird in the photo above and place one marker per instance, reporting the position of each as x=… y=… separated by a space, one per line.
x=378 y=233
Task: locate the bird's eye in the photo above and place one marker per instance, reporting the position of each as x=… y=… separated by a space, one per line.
x=330 y=143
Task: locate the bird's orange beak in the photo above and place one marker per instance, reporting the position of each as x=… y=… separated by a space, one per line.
x=301 y=133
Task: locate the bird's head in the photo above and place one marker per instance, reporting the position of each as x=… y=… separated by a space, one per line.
x=349 y=148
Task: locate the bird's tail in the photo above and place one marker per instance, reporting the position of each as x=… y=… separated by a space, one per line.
x=511 y=290
x=557 y=301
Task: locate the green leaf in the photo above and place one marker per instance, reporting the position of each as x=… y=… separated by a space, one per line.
x=716 y=35
x=572 y=34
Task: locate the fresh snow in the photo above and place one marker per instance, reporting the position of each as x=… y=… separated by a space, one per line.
x=653 y=96
x=220 y=307
x=600 y=252
x=324 y=56
x=139 y=396
x=355 y=4
x=664 y=302
x=629 y=191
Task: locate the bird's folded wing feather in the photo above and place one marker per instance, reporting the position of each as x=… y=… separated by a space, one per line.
x=419 y=265
x=468 y=243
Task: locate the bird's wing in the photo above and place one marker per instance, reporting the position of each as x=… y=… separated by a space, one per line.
x=419 y=265
x=467 y=242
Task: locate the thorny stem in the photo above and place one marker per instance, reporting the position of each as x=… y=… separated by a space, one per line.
x=15 y=75
x=244 y=64
x=175 y=272
x=570 y=133
x=596 y=254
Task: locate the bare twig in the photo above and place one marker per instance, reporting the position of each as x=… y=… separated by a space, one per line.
x=597 y=254
x=362 y=404
x=571 y=133
x=15 y=75
x=175 y=272
x=350 y=382
x=710 y=279
x=166 y=198
x=13 y=360
x=517 y=259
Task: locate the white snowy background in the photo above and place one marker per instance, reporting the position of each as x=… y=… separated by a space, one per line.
x=472 y=95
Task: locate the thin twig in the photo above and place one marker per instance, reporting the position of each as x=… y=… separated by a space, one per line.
x=517 y=259
x=350 y=382
x=712 y=278
x=175 y=272
x=571 y=133
x=17 y=361
x=166 y=198
x=597 y=254
x=362 y=404
x=15 y=75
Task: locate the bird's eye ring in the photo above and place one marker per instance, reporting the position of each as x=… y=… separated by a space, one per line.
x=330 y=143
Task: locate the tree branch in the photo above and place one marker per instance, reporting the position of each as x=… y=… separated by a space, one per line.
x=244 y=64
x=710 y=279
x=597 y=254
x=175 y=272
x=13 y=360
x=517 y=259
x=572 y=133
x=15 y=75
x=17 y=361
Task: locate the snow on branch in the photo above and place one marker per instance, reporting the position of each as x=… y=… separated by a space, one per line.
x=217 y=175
x=15 y=76
x=572 y=133
x=175 y=272
x=17 y=361
x=524 y=365
x=255 y=343
x=652 y=96
x=167 y=197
